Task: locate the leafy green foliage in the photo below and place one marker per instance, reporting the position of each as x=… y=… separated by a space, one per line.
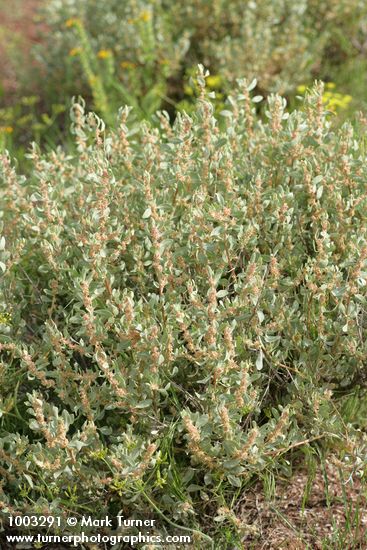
x=278 y=42
x=120 y=53
x=188 y=301
x=141 y=53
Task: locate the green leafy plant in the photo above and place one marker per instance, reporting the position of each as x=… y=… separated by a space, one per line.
x=102 y=72
x=130 y=64
x=21 y=122
x=278 y=42
x=142 y=53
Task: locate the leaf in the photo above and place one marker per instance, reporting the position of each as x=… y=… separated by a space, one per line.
x=234 y=481
x=229 y=464
x=77 y=444
x=259 y=360
x=144 y=404
x=271 y=338
x=29 y=479
x=222 y=293
x=252 y=85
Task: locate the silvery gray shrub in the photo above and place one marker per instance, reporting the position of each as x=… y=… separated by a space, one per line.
x=181 y=305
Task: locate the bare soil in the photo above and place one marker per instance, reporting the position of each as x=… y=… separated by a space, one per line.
x=334 y=513
x=19 y=31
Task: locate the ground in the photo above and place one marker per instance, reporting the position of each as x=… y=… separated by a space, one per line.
x=333 y=516
x=18 y=32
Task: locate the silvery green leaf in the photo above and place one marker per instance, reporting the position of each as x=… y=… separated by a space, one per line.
x=252 y=85
x=222 y=293
x=259 y=360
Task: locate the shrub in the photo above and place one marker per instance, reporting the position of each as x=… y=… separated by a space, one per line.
x=181 y=307
x=114 y=53
x=150 y=46
x=279 y=43
x=142 y=53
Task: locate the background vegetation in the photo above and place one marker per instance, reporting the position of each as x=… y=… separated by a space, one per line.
x=144 y=53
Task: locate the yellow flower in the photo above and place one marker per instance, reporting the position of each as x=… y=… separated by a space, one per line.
x=6 y=129
x=330 y=85
x=72 y=22
x=335 y=101
x=214 y=81
x=74 y=51
x=301 y=89
x=103 y=54
x=127 y=65
x=145 y=15
x=5 y=318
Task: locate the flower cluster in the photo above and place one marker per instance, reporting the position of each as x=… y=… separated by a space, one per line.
x=332 y=100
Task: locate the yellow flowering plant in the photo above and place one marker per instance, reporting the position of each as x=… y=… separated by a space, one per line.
x=111 y=82
x=142 y=50
x=215 y=86
x=334 y=101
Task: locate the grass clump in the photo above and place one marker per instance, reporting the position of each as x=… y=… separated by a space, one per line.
x=181 y=307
